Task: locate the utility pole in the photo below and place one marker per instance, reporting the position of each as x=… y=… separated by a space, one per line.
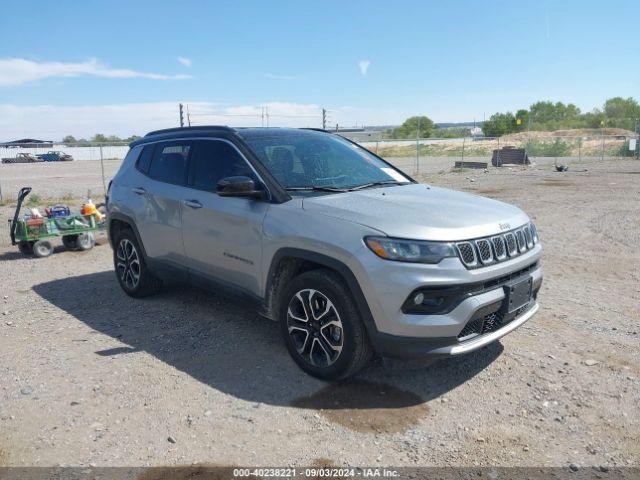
x=324 y=119
x=188 y=116
x=418 y=146
x=181 y=116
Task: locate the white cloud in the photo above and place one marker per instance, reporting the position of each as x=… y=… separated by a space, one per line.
x=363 y=65
x=53 y=122
x=185 y=61
x=18 y=71
x=279 y=77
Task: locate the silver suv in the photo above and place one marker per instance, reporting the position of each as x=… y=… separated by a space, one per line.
x=347 y=253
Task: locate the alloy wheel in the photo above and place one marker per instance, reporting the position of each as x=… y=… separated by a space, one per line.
x=128 y=264
x=315 y=327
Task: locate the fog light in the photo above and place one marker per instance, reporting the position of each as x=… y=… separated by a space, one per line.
x=418 y=299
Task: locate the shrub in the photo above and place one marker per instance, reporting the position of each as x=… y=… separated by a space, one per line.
x=540 y=148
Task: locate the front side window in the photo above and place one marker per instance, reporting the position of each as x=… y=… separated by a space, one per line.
x=169 y=162
x=213 y=160
x=301 y=159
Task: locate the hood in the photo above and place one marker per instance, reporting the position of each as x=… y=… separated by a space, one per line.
x=419 y=211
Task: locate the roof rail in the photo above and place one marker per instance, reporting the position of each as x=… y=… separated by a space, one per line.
x=190 y=129
x=316 y=129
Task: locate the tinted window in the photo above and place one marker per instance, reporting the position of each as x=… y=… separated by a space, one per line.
x=169 y=163
x=145 y=159
x=132 y=155
x=214 y=160
x=301 y=158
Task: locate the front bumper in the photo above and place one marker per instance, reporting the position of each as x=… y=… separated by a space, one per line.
x=399 y=334
x=416 y=347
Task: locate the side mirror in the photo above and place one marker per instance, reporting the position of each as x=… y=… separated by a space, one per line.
x=238 y=187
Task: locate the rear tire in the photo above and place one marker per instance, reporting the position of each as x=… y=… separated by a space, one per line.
x=322 y=327
x=131 y=269
x=85 y=241
x=42 y=248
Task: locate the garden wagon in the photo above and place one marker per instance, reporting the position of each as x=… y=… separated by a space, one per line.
x=33 y=235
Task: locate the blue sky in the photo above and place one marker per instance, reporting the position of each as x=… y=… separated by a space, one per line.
x=121 y=67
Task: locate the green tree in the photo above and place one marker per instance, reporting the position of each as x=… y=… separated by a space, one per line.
x=499 y=124
x=618 y=107
x=594 y=119
x=69 y=139
x=553 y=114
x=523 y=116
x=99 y=138
x=410 y=126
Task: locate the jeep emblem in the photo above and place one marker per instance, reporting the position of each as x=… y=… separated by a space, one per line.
x=504 y=226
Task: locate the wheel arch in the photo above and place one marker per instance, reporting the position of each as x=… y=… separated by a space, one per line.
x=290 y=262
x=118 y=221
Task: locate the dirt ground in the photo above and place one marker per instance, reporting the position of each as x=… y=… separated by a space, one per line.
x=89 y=376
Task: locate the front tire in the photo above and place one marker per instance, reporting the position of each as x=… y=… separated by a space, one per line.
x=131 y=269
x=42 y=248
x=322 y=327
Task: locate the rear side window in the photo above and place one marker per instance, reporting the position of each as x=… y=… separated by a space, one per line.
x=169 y=162
x=145 y=159
x=213 y=160
x=132 y=155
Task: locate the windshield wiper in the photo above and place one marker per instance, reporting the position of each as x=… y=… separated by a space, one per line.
x=315 y=188
x=375 y=184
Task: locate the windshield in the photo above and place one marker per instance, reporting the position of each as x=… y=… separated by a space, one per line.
x=304 y=159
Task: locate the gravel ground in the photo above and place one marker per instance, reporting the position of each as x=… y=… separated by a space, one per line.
x=89 y=376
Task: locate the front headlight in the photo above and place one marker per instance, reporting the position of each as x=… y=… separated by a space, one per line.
x=416 y=251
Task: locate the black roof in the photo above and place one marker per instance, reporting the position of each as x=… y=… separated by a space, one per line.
x=204 y=128
x=209 y=130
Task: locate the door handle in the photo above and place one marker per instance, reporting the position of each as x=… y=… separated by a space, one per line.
x=193 y=203
x=139 y=190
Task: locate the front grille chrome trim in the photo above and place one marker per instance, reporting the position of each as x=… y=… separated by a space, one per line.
x=522 y=243
x=468 y=254
x=528 y=236
x=499 y=247
x=485 y=252
x=479 y=252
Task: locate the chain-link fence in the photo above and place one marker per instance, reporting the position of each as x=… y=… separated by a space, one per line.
x=434 y=155
x=58 y=171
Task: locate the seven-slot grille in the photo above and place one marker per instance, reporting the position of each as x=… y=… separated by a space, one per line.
x=512 y=246
x=467 y=254
x=499 y=247
x=485 y=251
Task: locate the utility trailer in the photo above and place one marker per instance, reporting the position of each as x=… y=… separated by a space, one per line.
x=23 y=158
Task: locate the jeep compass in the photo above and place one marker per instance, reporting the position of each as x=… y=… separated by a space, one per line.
x=351 y=256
